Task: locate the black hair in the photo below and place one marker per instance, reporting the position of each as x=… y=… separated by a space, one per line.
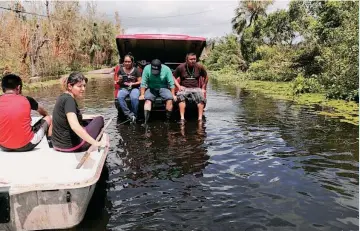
x=10 y=82
x=130 y=56
x=74 y=78
x=189 y=54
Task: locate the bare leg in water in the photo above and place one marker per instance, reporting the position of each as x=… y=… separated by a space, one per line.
x=182 y=107
x=200 y=107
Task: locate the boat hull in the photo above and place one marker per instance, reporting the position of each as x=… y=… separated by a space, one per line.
x=48 y=209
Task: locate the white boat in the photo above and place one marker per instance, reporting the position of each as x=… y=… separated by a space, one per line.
x=43 y=189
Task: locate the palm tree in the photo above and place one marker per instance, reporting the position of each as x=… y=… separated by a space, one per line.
x=248 y=10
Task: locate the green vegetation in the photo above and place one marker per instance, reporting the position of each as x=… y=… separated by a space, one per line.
x=347 y=111
x=308 y=53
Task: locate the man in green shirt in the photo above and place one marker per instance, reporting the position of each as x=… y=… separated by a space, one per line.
x=157 y=78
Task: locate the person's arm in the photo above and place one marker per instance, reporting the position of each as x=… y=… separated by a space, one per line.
x=70 y=111
x=34 y=105
x=144 y=82
x=206 y=79
x=89 y=117
x=204 y=74
x=177 y=74
x=176 y=83
x=171 y=83
x=138 y=81
x=79 y=130
x=170 y=79
x=42 y=111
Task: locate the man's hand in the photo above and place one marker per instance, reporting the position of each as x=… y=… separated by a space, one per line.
x=182 y=88
x=141 y=97
x=101 y=144
x=42 y=111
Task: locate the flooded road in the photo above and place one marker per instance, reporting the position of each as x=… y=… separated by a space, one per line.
x=255 y=164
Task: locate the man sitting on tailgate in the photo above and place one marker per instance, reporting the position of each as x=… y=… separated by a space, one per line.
x=158 y=81
x=192 y=87
x=16 y=132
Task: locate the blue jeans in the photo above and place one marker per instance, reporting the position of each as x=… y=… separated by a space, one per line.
x=134 y=98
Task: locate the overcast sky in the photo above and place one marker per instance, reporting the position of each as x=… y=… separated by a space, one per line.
x=195 y=18
x=192 y=17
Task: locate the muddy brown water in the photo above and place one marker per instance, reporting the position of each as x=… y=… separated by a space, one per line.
x=255 y=164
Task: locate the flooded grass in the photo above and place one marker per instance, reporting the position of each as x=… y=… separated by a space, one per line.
x=346 y=111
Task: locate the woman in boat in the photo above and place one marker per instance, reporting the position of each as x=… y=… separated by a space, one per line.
x=129 y=79
x=72 y=131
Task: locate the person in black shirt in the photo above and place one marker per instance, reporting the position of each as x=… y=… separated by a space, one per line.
x=129 y=79
x=72 y=131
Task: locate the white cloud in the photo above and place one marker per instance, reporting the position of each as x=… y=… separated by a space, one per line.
x=196 y=18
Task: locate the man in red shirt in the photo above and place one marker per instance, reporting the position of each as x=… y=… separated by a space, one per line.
x=16 y=132
x=192 y=86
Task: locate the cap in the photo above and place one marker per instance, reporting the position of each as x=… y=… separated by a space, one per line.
x=155 y=67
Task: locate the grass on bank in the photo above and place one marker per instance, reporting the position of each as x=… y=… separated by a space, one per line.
x=346 y=111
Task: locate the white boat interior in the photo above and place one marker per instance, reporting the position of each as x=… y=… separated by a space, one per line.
x=44 y=168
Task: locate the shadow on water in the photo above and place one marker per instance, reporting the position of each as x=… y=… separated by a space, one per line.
x=255 y=164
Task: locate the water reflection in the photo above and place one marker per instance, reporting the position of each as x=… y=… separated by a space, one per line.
x=322 y=147
x=154 y=163
x=167 y=151
x=299 y=144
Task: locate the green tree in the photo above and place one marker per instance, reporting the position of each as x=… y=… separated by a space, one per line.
x=338 y=34
x=248 y=12
x=226 y=54
x=252 y=38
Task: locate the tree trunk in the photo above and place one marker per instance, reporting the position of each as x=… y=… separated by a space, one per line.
x=33 y=67
x=36 y=44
